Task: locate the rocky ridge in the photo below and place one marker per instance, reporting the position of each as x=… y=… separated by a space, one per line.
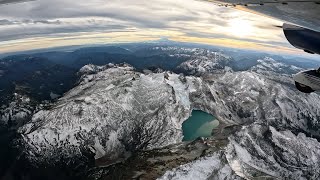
x=279 y=137
x=112 y=113
x=105 y=114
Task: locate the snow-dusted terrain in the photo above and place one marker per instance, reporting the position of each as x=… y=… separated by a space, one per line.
x=211 y=167
x=205 y=62
x=113 y=112
x=123 y=115
x=17 y=111
x=264 y=152
x=275 y=145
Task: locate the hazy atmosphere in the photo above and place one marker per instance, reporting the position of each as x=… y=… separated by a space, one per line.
x=48 y=23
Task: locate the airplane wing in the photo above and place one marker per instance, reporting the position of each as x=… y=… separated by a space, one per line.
x=304 y=13
x=3 y=2
x=301 y=27
x=301 y=18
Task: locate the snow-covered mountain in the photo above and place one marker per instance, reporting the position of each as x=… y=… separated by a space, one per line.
x=209 y=167
x=270 y=66
x=128 y=122
x=256 y=152
x=264 y=152
x=116 y=111
x=275 y=142
x=18 y=111
x=113 y=113
x=206 y=62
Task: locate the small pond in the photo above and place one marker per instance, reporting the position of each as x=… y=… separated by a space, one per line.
x=199 y=124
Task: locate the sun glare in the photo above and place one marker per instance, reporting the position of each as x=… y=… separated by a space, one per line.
x=240 y=27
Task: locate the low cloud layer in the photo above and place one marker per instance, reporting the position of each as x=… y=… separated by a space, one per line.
x=189 y=18
x=6 y=22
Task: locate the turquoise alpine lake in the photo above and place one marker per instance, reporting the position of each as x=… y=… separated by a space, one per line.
x=199 y=124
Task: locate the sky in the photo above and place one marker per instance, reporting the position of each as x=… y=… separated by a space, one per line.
x=53 y=23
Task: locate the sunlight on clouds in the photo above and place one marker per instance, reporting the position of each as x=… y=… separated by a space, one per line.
x=52 y=23
x=237 y=44
x=240 y=27
x=137 y=36
x=85 y=38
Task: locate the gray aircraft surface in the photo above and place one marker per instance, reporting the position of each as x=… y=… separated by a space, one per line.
x=301 y=28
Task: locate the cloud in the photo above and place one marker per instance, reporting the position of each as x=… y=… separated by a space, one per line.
x=6 y=22
x=11 y=1
x=46 y=22
x=54 y=18
x=50 y=29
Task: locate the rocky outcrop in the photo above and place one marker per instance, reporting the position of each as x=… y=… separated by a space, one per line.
x=116 y=111
x=278 y=122
x=18 y=111
x=204 y=62
x=113 y=113
x=258 y=151
x=214 y=166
